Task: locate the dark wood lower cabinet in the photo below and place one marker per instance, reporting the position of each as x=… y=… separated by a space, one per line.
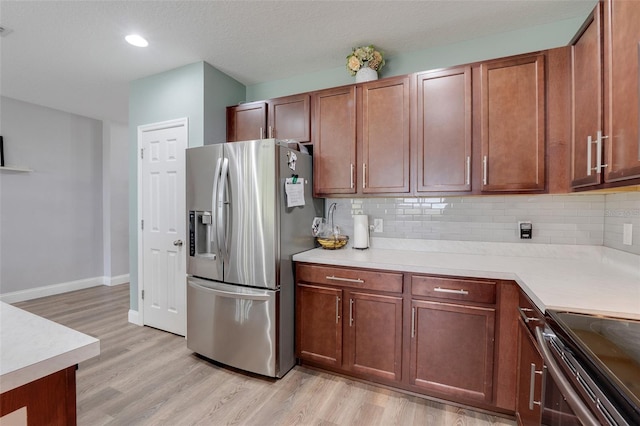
x=50 y=400
x=319 y=324
x=530 y=367
x=372 y=323
x=374 y=335
x=452 y=349
x=439 y=336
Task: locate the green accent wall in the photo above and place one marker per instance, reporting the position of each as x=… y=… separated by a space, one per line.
x=524 y=40
x=196 y=91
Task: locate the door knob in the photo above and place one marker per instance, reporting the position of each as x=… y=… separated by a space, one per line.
x=177 y=243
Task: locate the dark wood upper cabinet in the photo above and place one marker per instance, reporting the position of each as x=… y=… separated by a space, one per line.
x=605 y=101
x=287 y=117
x=621 y=89
x=385 y=136
x=334 y=141
x=444 y=130
x=246 y=121
x=513 y=124
x=586 y=101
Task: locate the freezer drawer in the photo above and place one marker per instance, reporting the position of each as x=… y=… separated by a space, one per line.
x=233 y=325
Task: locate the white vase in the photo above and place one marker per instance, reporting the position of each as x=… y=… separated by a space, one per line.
x=366 y=74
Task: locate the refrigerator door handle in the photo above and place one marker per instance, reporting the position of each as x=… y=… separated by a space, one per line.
x=221 y=219
x=214 y=203
x=230 y=294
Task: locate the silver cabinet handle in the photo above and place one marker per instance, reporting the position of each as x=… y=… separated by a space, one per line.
x=532 y=386
x=599 y=165
x=468 y=170
x=524 y=316
x=261 y=133
x=484 y=170
x=579 y=408
x=413 y=322
x=364 y=175
x=589 y=143
x=451 y=290
x=177 y=243
x=350 y=312
x=351 y=175
x=337 y=309
x=270 y=132
x=349 y=280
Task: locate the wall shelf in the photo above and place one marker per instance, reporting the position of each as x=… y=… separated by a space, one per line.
x=15 y=169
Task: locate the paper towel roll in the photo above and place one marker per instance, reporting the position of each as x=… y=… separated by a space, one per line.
x=360 y=231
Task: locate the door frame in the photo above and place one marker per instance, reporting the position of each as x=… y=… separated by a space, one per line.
x=178 y=122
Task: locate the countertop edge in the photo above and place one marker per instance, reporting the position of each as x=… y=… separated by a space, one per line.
x=400 y=260
x=30 y=373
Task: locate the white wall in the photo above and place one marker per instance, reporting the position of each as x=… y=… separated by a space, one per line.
x=51 y=219
x=116 y=202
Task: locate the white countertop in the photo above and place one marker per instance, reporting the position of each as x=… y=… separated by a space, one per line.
x=32 y=347
x=591 y=279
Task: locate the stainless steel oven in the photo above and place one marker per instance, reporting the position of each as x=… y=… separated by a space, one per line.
x=592 y=369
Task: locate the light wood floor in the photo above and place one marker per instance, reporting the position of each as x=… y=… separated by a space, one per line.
x=145 y=376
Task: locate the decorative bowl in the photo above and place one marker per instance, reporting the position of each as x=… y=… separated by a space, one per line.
x=333 y=242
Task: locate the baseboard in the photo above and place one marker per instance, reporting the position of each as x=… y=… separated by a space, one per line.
x=50 y=290
x=117 y=280
x=134 y=317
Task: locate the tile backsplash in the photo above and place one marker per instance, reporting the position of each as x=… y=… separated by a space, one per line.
x=587 y=219
x=621 y=209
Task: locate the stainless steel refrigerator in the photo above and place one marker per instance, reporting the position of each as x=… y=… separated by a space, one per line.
x=244 y=228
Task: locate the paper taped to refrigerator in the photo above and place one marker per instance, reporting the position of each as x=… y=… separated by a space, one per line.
x=294 y=188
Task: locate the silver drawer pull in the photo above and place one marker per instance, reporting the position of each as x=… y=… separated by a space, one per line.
x=451 y=290
x=349 y=280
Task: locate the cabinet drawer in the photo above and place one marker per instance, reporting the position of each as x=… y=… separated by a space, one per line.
x=351 y=277
x=453 y=289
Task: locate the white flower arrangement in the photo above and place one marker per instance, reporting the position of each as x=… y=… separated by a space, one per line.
x=365 y=56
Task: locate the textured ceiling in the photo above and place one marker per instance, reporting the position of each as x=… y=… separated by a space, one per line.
x=70 y=55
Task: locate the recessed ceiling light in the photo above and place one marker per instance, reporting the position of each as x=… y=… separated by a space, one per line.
x=136 y=40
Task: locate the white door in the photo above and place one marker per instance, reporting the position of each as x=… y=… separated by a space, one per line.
x=163 y=236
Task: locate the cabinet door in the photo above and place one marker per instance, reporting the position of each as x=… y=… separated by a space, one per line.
x=452 y=349
x=373 y=336
x=334 y=141
x=622 y=56
x=529 y=386
x=289 y=118
x=513 y=124
x=586 y=102
x=385 y=136
x=444 y=130
x=319 y=324
x=246 y=122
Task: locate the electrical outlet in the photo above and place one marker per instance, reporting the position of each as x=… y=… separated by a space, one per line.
x=378 y=225
x=525 y=230
x=627 y=234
